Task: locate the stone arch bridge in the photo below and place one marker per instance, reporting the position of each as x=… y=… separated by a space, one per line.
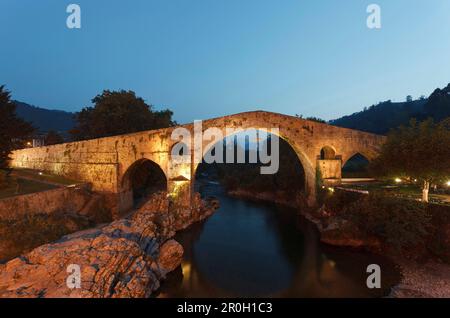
x=106 y=162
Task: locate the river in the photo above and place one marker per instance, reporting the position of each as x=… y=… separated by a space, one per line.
x=254 y=249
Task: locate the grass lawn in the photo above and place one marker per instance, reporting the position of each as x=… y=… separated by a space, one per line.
x=26 y=181
x=24 y=186
x=22 y=235
x=43 y=176
x=409 y=191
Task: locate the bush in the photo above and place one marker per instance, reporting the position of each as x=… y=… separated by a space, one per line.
x=5 y=178
x=337 y=201
x=21 y=235
x=439 y=242
x=3 y=182
x=400 y=223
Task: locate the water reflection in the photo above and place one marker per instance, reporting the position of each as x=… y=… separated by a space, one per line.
x=263 y=250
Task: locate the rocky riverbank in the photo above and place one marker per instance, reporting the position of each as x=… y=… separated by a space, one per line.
x=418 y=279
x=424 y=278
x=28 y=221
x=126 y=258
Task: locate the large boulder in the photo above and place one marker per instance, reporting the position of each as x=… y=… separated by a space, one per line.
x=182 y=216
x=127 y=258
x=170 y=256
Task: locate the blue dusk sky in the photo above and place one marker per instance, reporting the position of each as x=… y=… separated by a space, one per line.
x=207 y=58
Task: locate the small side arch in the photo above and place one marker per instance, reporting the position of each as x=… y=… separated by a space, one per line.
x=356 y=166
x=143 y=178
x=327 y=153
x=369 y=155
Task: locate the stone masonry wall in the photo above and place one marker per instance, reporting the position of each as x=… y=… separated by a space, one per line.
x=104 y=162
x=67 y=200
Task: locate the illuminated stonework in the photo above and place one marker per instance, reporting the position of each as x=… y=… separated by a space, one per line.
x=104 y=162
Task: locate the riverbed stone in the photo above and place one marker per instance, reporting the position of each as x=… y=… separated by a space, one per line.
x=127 y=258
x=347 y=234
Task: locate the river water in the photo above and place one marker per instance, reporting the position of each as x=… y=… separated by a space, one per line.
x=253 y=249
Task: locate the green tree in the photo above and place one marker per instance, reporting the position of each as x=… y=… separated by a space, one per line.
x=53 y=138
x=316 y=119
x=420 y=151
x=116 y=113
x=13 y=130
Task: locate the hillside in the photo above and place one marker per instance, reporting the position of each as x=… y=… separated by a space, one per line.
x=377 y=119
x=381 y=118
x=44 y=119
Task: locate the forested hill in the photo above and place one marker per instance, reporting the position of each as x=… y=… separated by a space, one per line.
x=377 y=119
x=44 y=119
x=381 y=118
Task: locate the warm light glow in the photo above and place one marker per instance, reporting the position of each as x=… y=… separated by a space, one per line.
x=186 y=270
x=398 y=180
x=178 y=188
x=448 y=183
x=331 y=189
x=184 y=171
x=40 y=173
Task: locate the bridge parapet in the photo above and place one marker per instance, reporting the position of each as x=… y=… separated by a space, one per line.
x=104 y=162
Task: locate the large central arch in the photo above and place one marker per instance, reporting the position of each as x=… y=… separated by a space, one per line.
x=308 y=170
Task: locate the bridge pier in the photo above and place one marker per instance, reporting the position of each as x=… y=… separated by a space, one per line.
x=330 y=170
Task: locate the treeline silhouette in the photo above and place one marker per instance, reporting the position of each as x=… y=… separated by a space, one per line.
x=383 y=117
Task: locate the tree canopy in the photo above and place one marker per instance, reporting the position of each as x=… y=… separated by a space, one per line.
x=13 y=130
x=116 y=113
x=53 y=138
x=419 y=151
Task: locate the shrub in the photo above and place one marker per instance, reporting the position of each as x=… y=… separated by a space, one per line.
x=5 y=178
x=337 y=201
x=3 y=182
x=400 y=223
x=439 y=242
x=22 y=235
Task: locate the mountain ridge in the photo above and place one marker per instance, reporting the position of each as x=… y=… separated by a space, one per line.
x=377 y=119
x=384 y=116
x=45 y=120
